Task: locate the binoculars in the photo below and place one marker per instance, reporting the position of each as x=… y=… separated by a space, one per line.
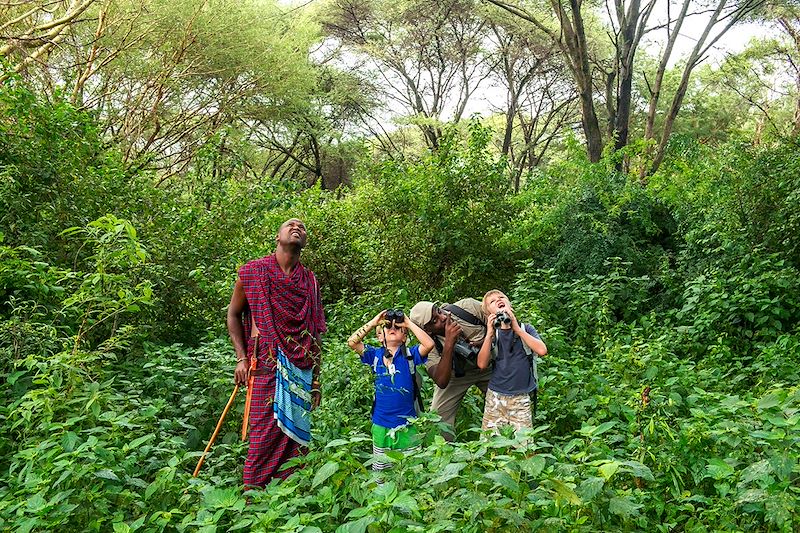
x=466 y=350
x=465 y=356
x=394 y=315
x=501 y=318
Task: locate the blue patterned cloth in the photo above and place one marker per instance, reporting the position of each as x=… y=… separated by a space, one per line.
x=292 y=406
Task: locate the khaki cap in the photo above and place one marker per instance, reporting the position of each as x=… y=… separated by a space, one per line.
x=421 y=313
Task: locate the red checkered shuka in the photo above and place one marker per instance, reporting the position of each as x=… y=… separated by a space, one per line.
x=269 y=447
x=288 y=313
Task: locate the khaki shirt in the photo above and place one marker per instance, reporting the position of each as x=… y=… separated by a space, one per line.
x=474 y=334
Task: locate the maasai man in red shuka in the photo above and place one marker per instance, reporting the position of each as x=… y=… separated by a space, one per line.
x=276 y=304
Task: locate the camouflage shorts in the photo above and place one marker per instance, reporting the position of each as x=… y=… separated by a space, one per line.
x=506 y=410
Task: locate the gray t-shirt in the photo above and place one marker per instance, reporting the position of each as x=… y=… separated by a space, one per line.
x=512 y=370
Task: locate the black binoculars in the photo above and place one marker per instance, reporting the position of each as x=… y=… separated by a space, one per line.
x=465 y=357
x=394 y=315
x=501 y=318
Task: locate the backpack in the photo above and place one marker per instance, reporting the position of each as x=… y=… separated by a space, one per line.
x=464 y=315
x=531 y=361
x=416 y=379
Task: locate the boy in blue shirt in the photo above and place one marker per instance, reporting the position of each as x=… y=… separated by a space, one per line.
x=394 y=383
x=508 y=399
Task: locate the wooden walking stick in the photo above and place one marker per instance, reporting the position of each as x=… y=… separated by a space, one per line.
x=216 y=431
x=249 y=398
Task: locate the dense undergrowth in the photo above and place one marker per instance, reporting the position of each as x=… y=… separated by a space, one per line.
x=669 y=400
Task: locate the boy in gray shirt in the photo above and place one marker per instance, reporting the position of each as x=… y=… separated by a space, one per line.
x=508 y=398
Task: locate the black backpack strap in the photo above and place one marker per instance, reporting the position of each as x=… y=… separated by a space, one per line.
x=438 y=344
x=463 y=314
x=415 y=379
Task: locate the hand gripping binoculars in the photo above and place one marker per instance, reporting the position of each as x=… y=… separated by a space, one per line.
x=394 y=315
x=501 y=318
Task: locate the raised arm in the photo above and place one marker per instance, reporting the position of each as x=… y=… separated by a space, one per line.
x=356 y=340
x=537 y=345
x=444 y=369
x=485 y=355
x=425 y=340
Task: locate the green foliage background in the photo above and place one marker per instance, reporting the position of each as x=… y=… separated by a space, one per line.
x=669 y=400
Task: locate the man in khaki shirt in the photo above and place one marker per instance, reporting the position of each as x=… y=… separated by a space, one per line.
x=446 y=323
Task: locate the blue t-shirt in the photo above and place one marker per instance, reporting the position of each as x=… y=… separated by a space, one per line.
x=394 y=395
x=512 y=371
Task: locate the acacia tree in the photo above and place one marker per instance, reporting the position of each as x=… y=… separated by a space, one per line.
x=539 y=98
x=197 y=72
x=312 y=135
x=784 y=15
x=566 y=25
x=723 y=17
x=31 y=29
x=427 y=55
x=174 y=80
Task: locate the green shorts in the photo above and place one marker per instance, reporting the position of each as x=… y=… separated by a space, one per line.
x=394 y=439
x=402 y=439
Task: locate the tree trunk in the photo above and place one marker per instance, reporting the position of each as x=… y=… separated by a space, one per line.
x=626 y=52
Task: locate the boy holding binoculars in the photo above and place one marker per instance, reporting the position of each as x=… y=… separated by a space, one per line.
x=513 y=346
x=395 y=367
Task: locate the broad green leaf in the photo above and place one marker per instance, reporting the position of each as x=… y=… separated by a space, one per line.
x=386 y=492
x=594 y=431
x=106 y=474
x=533 y=466
x=406 y=501
x=759 y=470
x=135 y=443
x=780 y=508
x=564 y=492
x=358 y=512
x=242 y=524
x=609 y=469
x=450 y=471
x=778 y=421
x=394 y=455
x=222 y=498
x=154 y=486
x=36 y=502
x=719 y=469
x=590 y=487
x=501 y=442
x=27 y=525
x=359 y=526
x=751 y=496
x=770 y=400
x=639 y=470
x=59 y=497
x=503 y=479
x=325 y=471
x=624 y=507
x=14 y=376
x=69 y=440
x=138 y=522
x=783 y=465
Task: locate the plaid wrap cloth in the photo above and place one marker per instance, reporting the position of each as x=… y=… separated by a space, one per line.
x=287 y=311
